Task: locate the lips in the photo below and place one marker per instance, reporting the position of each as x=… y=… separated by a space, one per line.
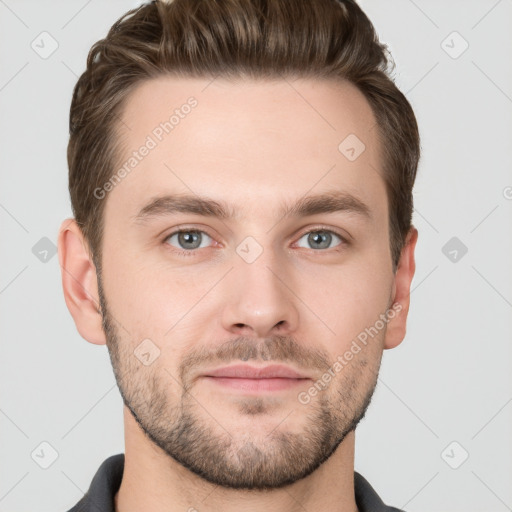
x=242 y=371
x=252 y=380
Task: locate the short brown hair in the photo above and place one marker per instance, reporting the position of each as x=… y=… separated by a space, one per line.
x=318 y=39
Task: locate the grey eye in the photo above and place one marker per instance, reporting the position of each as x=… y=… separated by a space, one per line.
x=320 y=239
x=188 y=239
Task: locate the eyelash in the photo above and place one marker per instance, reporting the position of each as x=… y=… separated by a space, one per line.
x=193 y=252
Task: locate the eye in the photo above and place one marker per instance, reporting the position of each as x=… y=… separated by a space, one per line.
x=188 y=240
x=322 y=238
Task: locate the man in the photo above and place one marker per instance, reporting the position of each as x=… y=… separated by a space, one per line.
x=241 y=177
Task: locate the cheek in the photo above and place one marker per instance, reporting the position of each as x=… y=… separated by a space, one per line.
x=349 y=298
x=133 y=291
x=152 y=300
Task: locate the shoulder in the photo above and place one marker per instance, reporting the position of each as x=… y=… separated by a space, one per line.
x=367 y=499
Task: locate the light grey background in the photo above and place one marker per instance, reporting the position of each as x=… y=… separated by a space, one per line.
x=450 y=380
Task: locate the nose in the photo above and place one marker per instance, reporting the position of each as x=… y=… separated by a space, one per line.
x=259 y=298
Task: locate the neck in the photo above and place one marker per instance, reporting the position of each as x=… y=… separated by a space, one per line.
x=154 y=482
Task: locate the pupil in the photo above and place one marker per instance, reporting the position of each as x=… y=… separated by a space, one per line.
x=318 y=237
x=188 y=237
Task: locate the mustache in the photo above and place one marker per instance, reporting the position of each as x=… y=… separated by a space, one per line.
x=278 y=349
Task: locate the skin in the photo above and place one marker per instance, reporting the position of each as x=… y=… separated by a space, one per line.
x=189 y=442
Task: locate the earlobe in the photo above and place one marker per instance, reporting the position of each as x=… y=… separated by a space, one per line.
x=396 y=328
x=79 y=282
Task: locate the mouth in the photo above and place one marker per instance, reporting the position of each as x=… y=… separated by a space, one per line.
x=255 y=379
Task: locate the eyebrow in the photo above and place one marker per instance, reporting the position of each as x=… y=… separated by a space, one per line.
x=328 y=202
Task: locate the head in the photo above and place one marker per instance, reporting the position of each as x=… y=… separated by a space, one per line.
x=271 y=134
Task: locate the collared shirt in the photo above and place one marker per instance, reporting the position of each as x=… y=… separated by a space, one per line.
x=107 y=480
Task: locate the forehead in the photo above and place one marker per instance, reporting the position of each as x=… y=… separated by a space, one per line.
x=247 y=142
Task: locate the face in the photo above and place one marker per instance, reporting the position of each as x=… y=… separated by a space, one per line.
x=186 y=290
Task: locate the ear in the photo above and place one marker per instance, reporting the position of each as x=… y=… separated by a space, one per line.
x=396 y=328
x=79 y=282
